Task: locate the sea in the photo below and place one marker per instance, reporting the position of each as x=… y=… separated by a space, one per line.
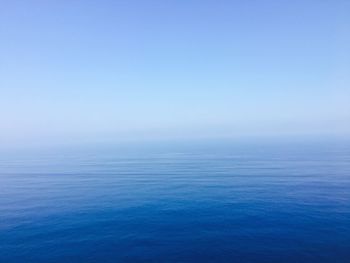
x=218 y=201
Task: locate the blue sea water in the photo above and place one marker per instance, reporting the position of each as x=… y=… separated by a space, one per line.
x=224 y=202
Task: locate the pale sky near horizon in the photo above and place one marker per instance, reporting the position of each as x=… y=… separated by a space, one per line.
x=86 y=70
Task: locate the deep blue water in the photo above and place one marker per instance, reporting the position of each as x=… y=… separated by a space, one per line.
x=219 y=203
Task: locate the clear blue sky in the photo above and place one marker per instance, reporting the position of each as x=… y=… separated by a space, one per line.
x=113 y=70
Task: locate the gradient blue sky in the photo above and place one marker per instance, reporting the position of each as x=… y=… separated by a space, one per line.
x=115 y=70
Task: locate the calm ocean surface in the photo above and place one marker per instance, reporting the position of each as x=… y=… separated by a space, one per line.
x=225 y=202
